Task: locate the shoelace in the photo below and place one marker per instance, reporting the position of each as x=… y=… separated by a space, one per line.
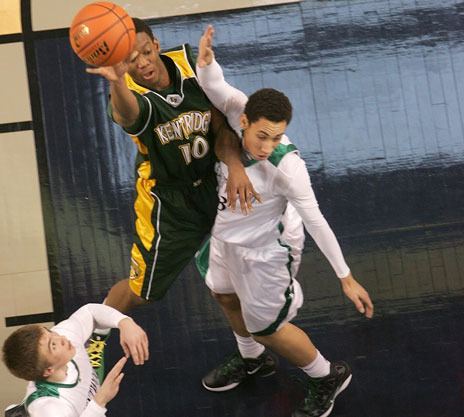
x=233 y=364
x=319 y=391
x=95 y=352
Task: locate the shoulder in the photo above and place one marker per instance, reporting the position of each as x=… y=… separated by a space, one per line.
x=283 y=151
x=183 y=56
x=47 y=406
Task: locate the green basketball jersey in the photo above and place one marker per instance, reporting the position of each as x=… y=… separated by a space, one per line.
x=173 y=132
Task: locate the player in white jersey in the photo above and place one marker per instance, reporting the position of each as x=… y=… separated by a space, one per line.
x=247 y=256
x=62 y=380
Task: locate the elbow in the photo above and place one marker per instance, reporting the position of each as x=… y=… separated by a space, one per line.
x=124 y=122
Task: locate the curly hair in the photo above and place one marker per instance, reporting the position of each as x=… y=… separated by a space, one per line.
x=270 y=104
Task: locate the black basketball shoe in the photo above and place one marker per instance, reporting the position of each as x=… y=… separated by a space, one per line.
x=322 y=391
x=236 y=369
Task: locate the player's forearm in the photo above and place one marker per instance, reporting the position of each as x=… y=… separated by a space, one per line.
x=325 y=239
x=124 y=104
x=89 y=317
x=228 y=99
x=227 y=144
x=211 y=80
x=296 y=185
x=105 y=316
x=227 y=148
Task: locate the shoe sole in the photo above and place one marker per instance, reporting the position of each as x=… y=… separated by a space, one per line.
x=220 y=389
x=342 y=388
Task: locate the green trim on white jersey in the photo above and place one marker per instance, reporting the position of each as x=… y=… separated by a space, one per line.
x=50 y=389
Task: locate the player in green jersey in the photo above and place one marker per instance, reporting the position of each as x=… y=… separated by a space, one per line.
x=155 y=97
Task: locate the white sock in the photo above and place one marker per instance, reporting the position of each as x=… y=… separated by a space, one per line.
x=248 y=347
x=318 y=368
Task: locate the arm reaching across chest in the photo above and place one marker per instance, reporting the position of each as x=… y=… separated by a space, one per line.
x=227 y=148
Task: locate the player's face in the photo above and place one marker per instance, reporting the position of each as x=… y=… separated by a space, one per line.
x=55 y=349
x=260 y=138
x=144 y=63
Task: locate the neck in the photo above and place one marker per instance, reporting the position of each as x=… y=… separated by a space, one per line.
x=164 y=79
x=59 y=374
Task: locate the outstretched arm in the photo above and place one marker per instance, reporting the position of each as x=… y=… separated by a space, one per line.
x=110 y=386
x=228 y=99
x=123 y=102
x=80 y=325
x=227 y=148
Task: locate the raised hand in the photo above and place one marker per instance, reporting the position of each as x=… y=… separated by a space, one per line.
x=205 y=48
x=110 y=386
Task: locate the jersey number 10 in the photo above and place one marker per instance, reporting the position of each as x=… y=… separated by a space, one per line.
x=198 y=148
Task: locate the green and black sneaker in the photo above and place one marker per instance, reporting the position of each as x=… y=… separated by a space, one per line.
x=322 y=392
x=96 y=352
x=236 y=369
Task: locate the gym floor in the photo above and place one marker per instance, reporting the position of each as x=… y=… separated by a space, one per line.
x=378 y=96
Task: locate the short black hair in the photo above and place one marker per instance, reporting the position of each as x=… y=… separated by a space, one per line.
x=141 y=26
x=270 y=104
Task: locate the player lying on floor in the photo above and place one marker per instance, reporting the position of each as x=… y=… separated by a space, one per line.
x=62 y=380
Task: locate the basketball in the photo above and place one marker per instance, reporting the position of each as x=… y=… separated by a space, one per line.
x=102 y=34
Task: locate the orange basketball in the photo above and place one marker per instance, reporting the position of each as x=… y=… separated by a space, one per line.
x=102 y=34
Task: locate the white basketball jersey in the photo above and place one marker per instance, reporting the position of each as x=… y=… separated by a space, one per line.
x=281 y=178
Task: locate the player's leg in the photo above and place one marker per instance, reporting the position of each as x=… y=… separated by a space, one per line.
x=223 y=293
x=122 y=298
x=230 y=306
x=251 y=357
x=269 y=298
x=326 y=380
x=168 y=232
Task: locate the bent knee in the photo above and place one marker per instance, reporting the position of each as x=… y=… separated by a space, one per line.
x=264 y=340
x=229 y=301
